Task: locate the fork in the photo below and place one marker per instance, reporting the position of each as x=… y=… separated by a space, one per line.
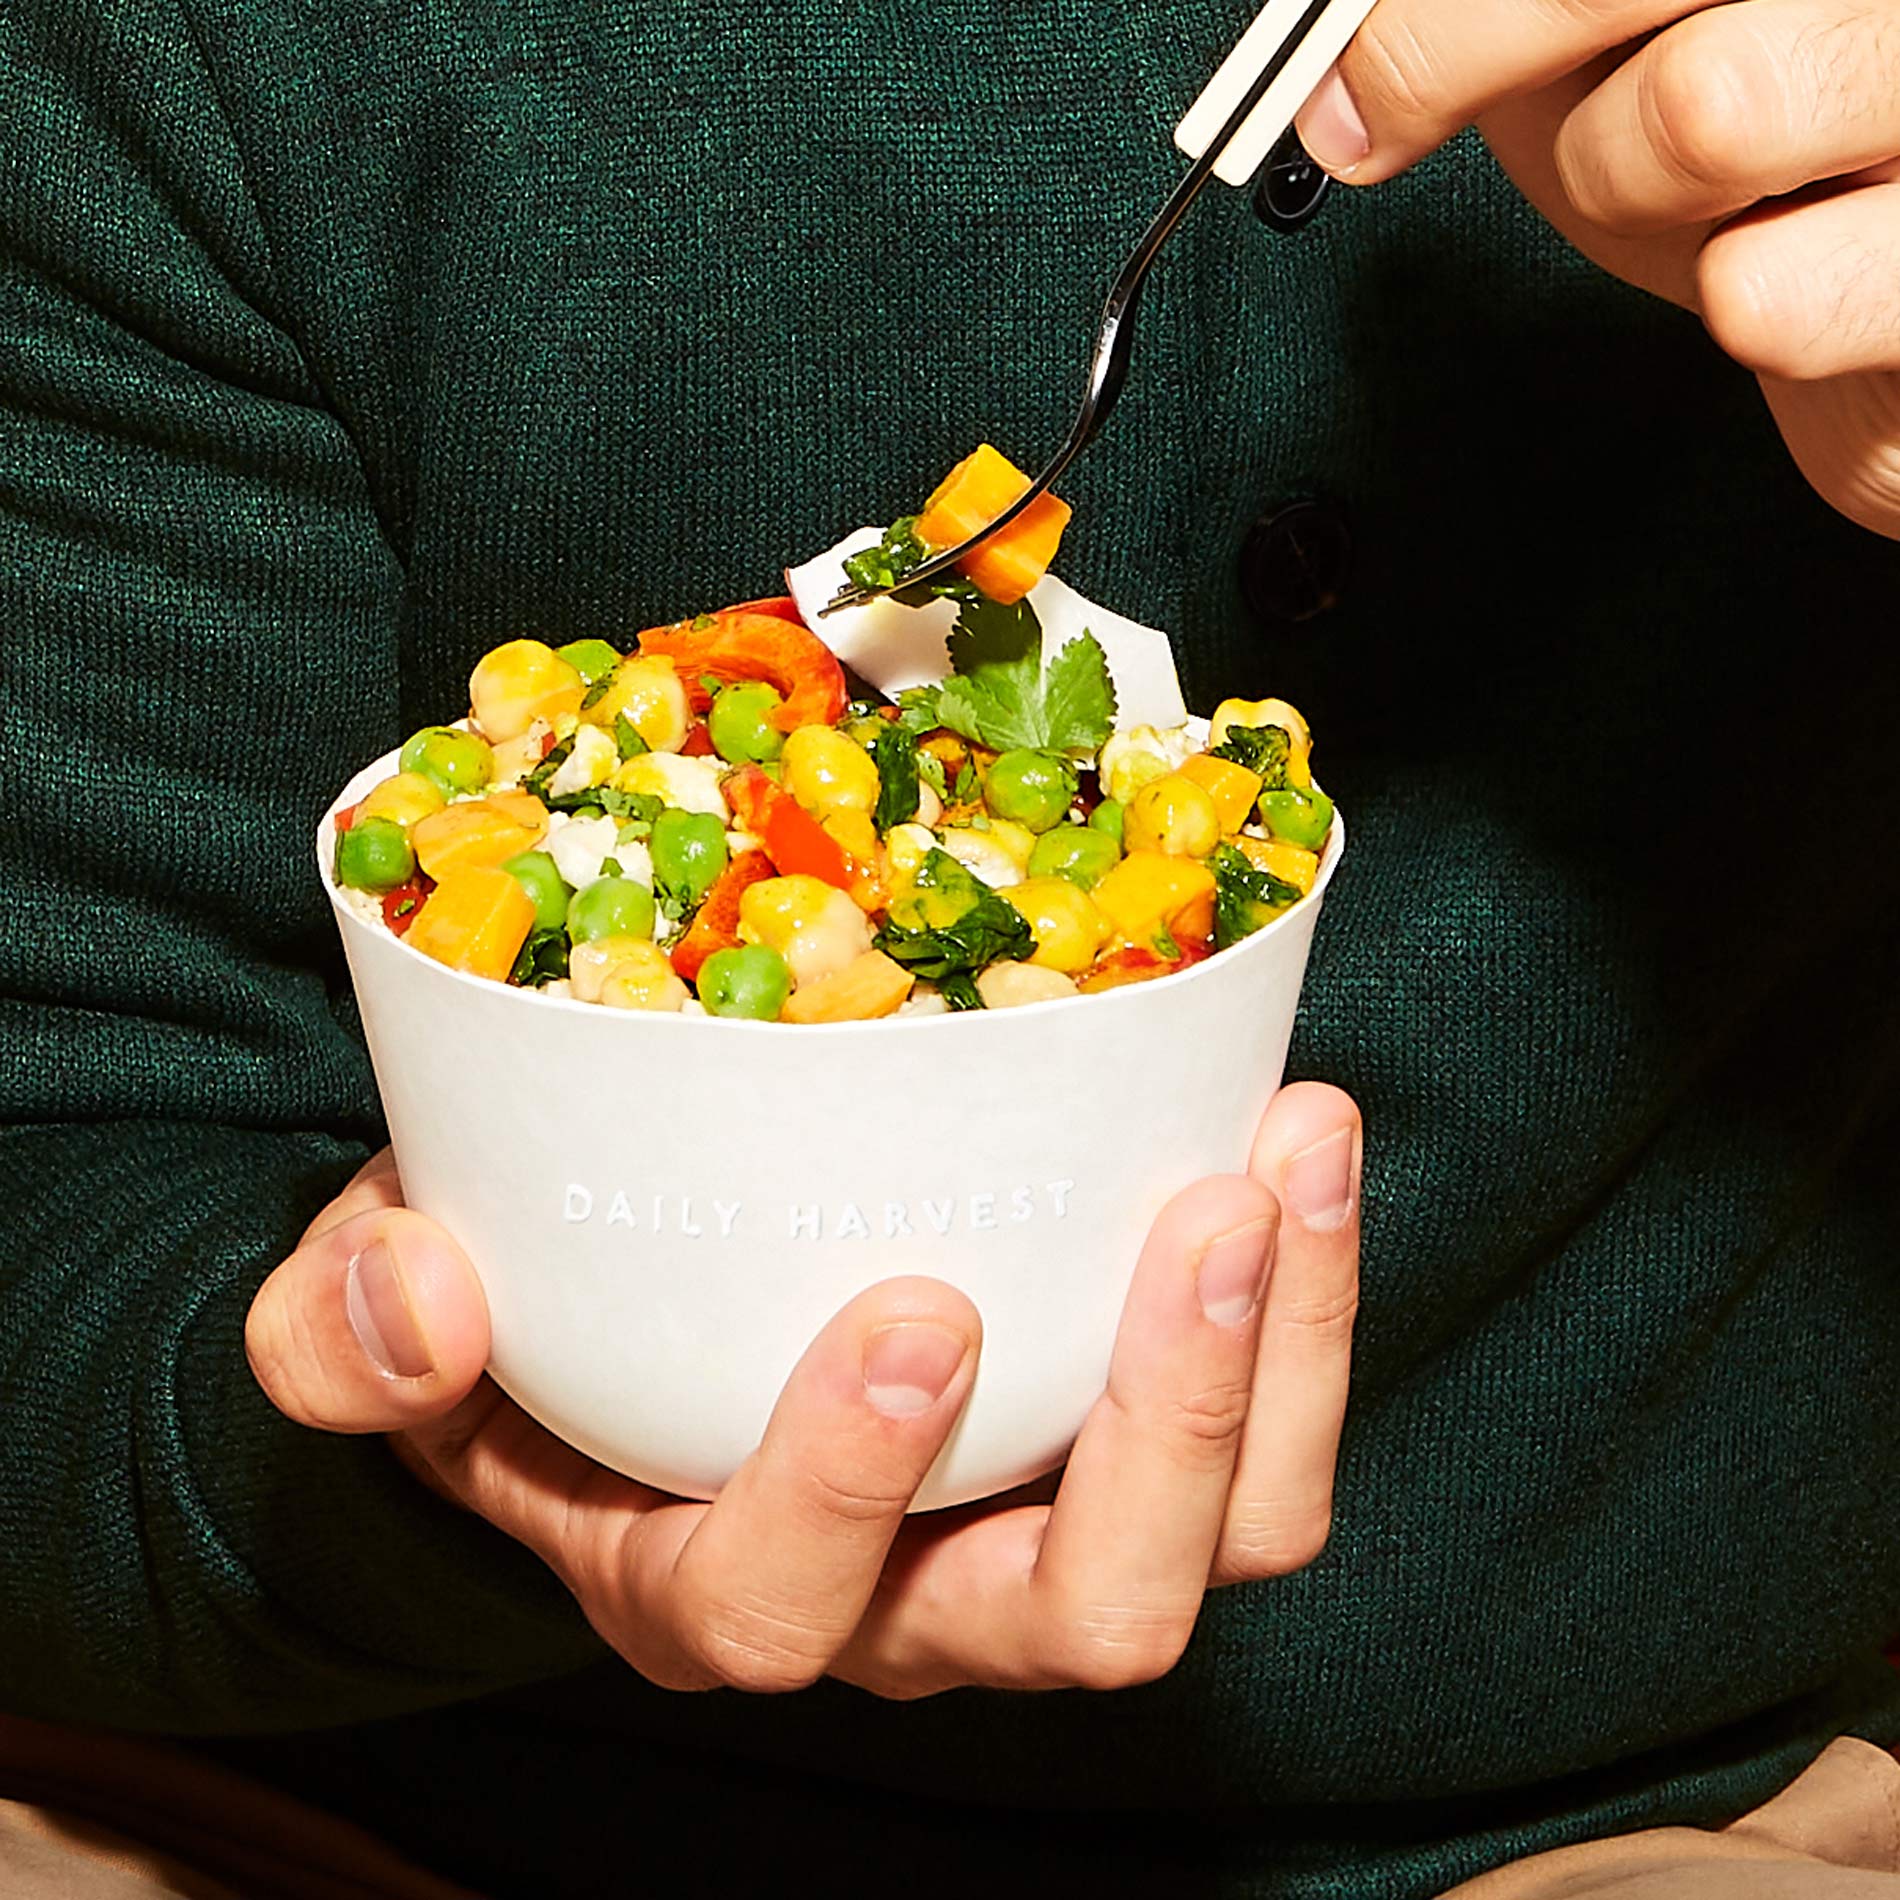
x=1237 y=119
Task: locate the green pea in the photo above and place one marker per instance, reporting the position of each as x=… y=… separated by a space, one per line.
x=589 y=658
x=738 y=726
x=610 y=907
x=1078 y=852
x=752 y=980
x=1301 y=818
x=1033 y=789
x=374 y=855
x=538 y=875
x=1108 y=816
x=457 y=761
x=689 y=851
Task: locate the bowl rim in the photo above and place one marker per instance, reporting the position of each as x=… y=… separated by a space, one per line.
x=1123 y=995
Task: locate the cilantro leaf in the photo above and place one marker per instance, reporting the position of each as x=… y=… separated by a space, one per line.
x=1001 y=695
x=895 y=750
x=627 y=738
x=949 y=925
x=603 y=798
x=1078 y=698
x=917 y=710
x=598 y=689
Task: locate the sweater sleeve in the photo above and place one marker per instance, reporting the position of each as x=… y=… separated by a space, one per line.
x=200 y=636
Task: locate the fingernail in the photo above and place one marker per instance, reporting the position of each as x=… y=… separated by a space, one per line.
x=1233 y=1273
x=1321 y=1183
x=381 y=1316
x=906 y=1368
x=1331 y=129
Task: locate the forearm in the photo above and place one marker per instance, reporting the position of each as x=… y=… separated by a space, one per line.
x=173 y=1553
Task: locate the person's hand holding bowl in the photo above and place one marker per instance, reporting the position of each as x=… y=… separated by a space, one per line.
x=1208 y=1460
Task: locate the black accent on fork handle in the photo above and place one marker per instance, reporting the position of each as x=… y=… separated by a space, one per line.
x=1114 y=336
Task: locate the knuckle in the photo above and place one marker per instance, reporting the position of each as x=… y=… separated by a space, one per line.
x=287 y=1357
x=1271 y=1538
x=1323 y=1320
x=1861 y=480
x=865 y=1496
x=1396 y=78
x=1704 y=100
x=1209 y=1419
x=747 y=1649
x=1751 y=305
x=1120 y=1646
x=677 y=1675
x=1831 y=60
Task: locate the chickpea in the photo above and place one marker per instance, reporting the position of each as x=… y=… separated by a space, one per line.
x=643 y=979
x=825 y=771
x=1068 y=928
x=591 y=963
x=519 y=683
x=907 y=846
x=1172 y=815
x=983 y=853
x=1005 y=985
x=686 y=784
x=405 y=797
x=649 y=694
x=814 y=926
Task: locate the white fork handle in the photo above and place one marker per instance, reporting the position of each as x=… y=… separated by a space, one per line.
x=1277 y=22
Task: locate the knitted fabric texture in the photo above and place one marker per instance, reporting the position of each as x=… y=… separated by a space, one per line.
x=338 y=344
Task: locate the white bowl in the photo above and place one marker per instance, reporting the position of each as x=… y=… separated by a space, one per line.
x=664 y=1210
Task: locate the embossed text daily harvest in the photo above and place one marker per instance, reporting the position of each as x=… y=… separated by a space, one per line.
x=696 y=1218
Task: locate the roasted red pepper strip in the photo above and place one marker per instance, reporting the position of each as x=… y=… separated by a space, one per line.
x=749 y=791
x=798 y=843
x=795 y=840
x=346 y=817
x=716 y=927
x=698 y=742
x=400 y=906
x=779 y=606
x=745 y=644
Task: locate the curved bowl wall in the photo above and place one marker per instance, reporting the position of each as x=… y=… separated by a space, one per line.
x=665 y=1209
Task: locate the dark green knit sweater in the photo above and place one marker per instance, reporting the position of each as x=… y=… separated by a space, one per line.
x=341 y=339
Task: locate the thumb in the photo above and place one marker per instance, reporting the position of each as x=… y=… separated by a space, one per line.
x=372 y=1325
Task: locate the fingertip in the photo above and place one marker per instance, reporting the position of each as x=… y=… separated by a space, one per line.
x=378 y=1324
x=915 y=1297
x=1332 y=130
x=444 y=1294
x=917 y=1344
x=1301 y=1114
x=1215 y=1205
x=1309 y=1152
